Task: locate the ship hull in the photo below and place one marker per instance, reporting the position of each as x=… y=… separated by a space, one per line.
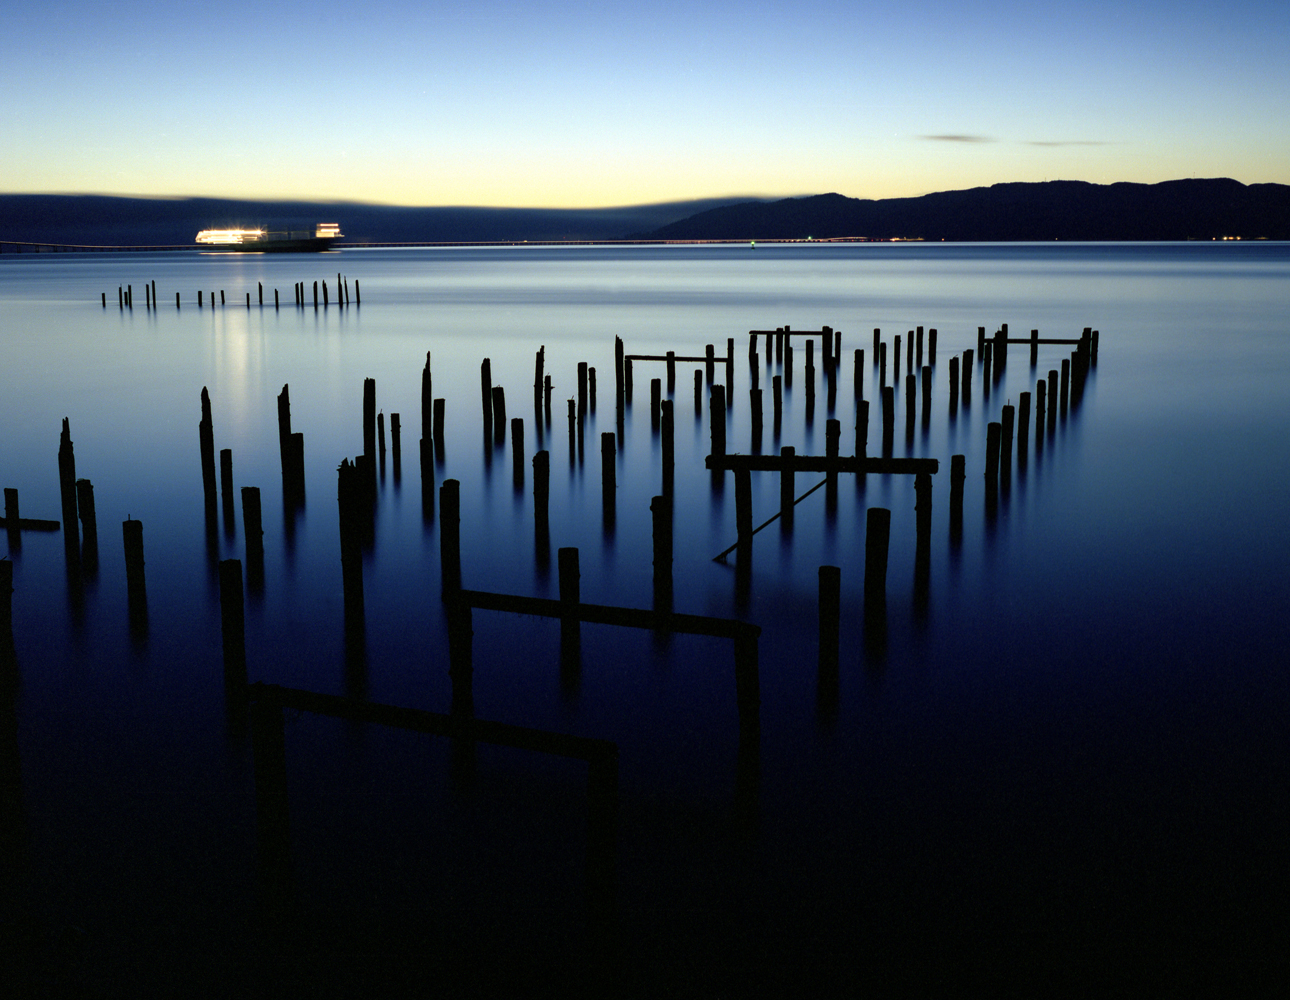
x=311 y=244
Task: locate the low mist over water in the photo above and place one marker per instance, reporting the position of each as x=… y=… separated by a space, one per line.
x=1057 y=757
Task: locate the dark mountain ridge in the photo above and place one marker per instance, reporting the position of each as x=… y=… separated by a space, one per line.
x=1052 y=210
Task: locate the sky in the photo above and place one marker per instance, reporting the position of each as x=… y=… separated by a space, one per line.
x=587 y=104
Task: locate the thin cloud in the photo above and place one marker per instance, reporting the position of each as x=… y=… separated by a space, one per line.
x=957 y=138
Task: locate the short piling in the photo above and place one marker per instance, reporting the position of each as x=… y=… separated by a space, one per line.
x=830 y=616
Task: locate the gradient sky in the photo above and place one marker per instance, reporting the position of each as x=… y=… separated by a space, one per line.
x=578 y=104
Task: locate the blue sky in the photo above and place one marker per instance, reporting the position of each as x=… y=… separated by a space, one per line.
x=578 y=104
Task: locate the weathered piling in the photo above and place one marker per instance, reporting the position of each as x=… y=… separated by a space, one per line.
x=730 y=361
x=450 y=536
x=954 y=384
x=895 y=360
x=923 y=539
x=380 y=436
x=326 y=300
x=931 y=346
x=369 y=417
x=1052 y=398
x=788 y=362
x=876 y=543
x=980 y=342
x=830 y=616
x=232 y=620
x=627 y=380
x=882 y=363
x=1066 y=383
x=67 y=492
x=1041 y=395
x=967 y=375
x=226 y=487
x=351 y=489
x=993 y=433
x=958 y=475
x=486 y=394
x=176 y=300
x=909 y=348
x=888 y=418
x=541 y=487
x=499 y=413
x=582 y=388
x=608 y=474
x=698 y=392
x=661 y=517
x=832 y=446
x=221 y=297
x=671 y=372
x=358 y=296
x=777 y=399
x=573 y=429
x=862 y=432
x=668 y=446
x=438 y=427
x=655 y=402
x=926 y=375
x=396 y=453
x=570 y=596
x=810 y=374
x=877 y=335
x=1023 y=427
x=858 y=374
x=85 y=510
x=709 y=363
x=717 y=419
x=275 y=299
x=1007 y=419
x=743 y=514
x=987 y=361
x=517 y=451
x=787 y=488
x=539 y=361
x=206 y=433
x=755 y=409
x=135 y=581
x=253 y=531
x=1034 y=348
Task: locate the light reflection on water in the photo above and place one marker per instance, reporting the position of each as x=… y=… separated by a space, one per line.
x=1124 y=611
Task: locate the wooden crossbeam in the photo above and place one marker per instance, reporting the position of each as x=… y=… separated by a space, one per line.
x=823 y=463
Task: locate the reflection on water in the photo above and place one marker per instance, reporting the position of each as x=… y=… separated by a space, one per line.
x=1078 y=639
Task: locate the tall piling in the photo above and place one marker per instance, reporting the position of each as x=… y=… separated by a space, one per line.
x=661 y=516
x=67 y=493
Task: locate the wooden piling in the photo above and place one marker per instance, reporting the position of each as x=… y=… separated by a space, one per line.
x=450 y=536
x=358 y=297
x=67 y=492
x=787 y=487
x=931 y=346
x=380 y=434
x=499 y=412
x=326 y=300
x=1052 y=398
x=882 y=364
x=743 y=514
x=582 y=387
x=136 y=584
x=85 y=509
x=862 y=428
x=232 y=620
x=954 y=384
x=539 y=361
x=717 y=419
x=1006 y=422
x=396 y=452
x=667 y=432
x=777 y=398
x=1023 y=426
x=958 y=475
x=438 y=426
x=541 y=487
x=967 y=375
x=895 y=360
x=980 y=342
x=517 y=451
x=788 y=362
x=876 y=544
x=1066 y=383
x=994 y=431
x=858 y=374
x=830 y=616
x=698 y=392
x=655 y=401
x=926 y=372
x=709 y=362
x=315 y=296
x=832 y=444
x=661 y=517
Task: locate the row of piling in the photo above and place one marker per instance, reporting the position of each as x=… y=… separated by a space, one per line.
x=125 y=295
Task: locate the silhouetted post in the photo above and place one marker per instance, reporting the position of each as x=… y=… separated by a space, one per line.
x=486 y=394
x=591 y=387
x=582 y=387
x=810 y=374
x=396 y=452
x=1000 y=351
x=709 y=363
x=1066 y=383
x=11 y=518
x=671 y=372
x=326 y=301
x=788 y=362
x=923 y=512
x=830 y=616
x=980 y=342
x=380 y=436
x=858 y=375
x=958 y=474
x=1034 y=348
x=546 y=398
x=926 y=373
x=120 y=297
x=176 y=300
x=253 y=529
x=136 y=585
x=350 y=491
x=888 y=418
x=232 y=620
x=993 y=432
x=1041 y=395
x=743 y=514
x=668 y=446
x=931 y=346
x=1092 y=353
x=698 y=392
x=754 y=402
x=1023 y=427
x=730 y=362
x=618 y=371
x=661 y=513
x=1052 y=398
x=358 y=296
x=226 y=486
x=438 y=426
x=573 y=428
x=608 y=474
x=777 y=397
x=826 y=348
x=986 y=363
x=877 y=539
x=275 y=300
x=954 y=384
x=877 y=334
x=206 y=431
x=315 y=297
x=427 y=401
x=85 y=509
x=862 y=435
x=655 y=401
x=539 y=360
x=284 y=425
x=911 y=402
x=1007 y=419
x=882 y=364
x=627 y=380
x=967 y=375
x=499 y=413
x=517 y=451
x=832 y=446
x=450 y=536
x=369 y=418
x=787 y=487
x=570 y=598
x=541 y=487
x=67 y=492
x=717 y=419
x=895 y=360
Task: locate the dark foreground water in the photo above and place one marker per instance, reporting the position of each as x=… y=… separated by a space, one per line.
x=1066 y=770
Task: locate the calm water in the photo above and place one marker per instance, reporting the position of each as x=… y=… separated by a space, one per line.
x=1069 y=766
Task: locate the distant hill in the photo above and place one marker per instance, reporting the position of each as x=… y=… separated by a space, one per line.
x=1054 y=210
x=100 y=220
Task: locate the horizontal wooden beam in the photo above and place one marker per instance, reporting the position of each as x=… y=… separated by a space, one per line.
x=600 y=614
x=436 y=723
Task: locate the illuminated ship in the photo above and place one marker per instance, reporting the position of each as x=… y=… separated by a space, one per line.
x=263 y=241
